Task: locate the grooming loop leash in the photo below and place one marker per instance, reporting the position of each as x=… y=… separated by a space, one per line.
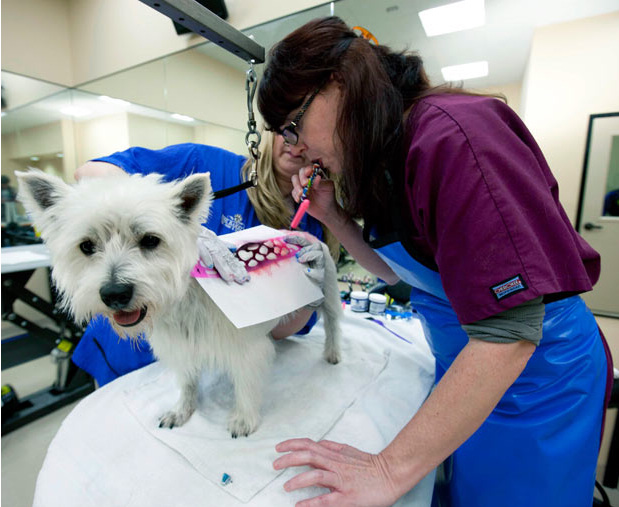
x=251 y=82
x=252 y=138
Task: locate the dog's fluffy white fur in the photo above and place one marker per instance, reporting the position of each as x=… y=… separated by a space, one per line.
x=140 y=234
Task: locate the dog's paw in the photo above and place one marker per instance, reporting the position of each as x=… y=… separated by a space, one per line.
x=332 y=355
x=171 y=419
x=240 y=426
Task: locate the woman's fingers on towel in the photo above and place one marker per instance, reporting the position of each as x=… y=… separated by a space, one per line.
x=354 y=477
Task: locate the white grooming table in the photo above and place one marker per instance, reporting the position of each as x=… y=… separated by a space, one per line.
x=109 y=450
x=24 y=258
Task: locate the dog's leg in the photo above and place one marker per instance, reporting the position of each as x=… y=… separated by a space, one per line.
x=331 y=310
x=248 y=373
x=185 y=406
x=331 y=352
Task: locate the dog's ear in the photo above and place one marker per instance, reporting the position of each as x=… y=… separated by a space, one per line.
x=39 y=191
x=194 y=193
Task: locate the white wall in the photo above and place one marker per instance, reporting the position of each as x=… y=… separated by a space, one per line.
x=573 y=72
x=511 y=91
x=36 y=39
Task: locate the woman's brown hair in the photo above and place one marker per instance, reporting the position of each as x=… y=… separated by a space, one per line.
x=377 y=87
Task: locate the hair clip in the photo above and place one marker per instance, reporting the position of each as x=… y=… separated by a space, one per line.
x=366 y=34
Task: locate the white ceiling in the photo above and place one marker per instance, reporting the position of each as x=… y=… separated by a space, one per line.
x=504 y=41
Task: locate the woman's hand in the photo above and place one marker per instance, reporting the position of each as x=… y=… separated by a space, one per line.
x=355 y=478
x=321 y=195
x=325 y=208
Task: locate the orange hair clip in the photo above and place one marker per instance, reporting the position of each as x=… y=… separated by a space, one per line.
x=366 y=34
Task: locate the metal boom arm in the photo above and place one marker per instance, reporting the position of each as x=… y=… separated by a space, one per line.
x=201 y=21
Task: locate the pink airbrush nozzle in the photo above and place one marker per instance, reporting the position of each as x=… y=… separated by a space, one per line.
x=305 y=202
x=299 y=214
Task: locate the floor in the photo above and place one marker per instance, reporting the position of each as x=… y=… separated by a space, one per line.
x=24 y=449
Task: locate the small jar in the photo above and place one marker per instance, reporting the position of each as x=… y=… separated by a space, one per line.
x=378 y=303
x=359 y=301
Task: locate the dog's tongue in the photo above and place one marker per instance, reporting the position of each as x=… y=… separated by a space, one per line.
x=126 y=318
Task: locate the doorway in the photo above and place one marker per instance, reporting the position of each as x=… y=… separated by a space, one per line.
x=598 y=209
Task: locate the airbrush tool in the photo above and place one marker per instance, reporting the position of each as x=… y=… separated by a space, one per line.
x=305 y=202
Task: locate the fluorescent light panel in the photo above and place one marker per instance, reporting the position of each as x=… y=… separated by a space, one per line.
x=465 y=71
x=181 y=117
x=75 y=111
x=112 y=100
x=453 y=17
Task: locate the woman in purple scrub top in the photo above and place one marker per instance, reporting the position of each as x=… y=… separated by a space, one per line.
x=457 y=200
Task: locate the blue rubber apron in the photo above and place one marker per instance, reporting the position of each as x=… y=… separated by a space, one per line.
x=539 y=446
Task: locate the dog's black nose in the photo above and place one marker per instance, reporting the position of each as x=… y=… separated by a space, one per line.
x=116 y=295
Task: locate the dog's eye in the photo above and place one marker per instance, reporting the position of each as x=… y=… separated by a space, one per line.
x=87 y=247
x=149 y=242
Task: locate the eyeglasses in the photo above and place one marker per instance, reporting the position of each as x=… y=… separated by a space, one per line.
x=289 y=132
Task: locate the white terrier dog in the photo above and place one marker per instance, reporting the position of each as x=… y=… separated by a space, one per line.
x=124 y=247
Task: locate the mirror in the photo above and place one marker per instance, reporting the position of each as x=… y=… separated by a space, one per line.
x=56 y=130
x=31 y=134
x=610 y=207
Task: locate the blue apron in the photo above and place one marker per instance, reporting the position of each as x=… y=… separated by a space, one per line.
x=539 y=446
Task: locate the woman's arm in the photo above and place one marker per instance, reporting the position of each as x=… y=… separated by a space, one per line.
x=292 y=324
x=460 y=403
x=350 y=235
x=462 y=400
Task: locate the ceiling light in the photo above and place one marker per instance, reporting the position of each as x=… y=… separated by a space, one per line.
x=60 y=155
x=453 y=17
x=182 y=117
x=75 y=111
x=35 y=159
x=112 y=100
x=465 y=71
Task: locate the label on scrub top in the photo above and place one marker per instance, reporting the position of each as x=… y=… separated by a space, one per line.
x=508 y=287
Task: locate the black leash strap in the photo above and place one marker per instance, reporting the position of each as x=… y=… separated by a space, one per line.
x=232 y=190
x=251 y=82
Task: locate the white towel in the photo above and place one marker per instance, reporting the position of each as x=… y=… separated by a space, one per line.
x=304 y=397
x=102 y=455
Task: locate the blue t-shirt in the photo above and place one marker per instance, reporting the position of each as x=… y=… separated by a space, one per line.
x=101 y=352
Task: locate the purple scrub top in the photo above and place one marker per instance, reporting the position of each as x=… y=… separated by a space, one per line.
x=485 y=207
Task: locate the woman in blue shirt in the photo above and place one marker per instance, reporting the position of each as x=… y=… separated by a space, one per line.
x=101 y=352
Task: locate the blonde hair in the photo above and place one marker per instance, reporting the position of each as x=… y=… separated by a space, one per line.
x=270 y=205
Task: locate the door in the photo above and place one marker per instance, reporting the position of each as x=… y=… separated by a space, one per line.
x=598 y=210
